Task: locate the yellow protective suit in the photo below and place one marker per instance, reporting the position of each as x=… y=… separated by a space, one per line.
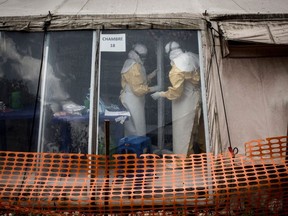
x=132 y=96
x=185 y=95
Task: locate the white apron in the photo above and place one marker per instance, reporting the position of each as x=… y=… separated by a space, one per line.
x=184 y=108
x=136 y=125
x=183 y=114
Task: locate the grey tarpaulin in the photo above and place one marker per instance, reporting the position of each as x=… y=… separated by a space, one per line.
x=273 y=32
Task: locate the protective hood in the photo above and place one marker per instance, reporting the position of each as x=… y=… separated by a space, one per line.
x=140 y=49
x=172 y=45
x=133 y=58
x=187 y=61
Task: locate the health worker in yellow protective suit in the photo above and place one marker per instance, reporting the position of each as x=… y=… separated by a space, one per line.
x=184 y=93
x=134 y=83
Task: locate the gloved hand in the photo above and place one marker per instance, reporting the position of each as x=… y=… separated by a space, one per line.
x=156 y=95
x=72 y=108
x=152 y=74
x=154 y=88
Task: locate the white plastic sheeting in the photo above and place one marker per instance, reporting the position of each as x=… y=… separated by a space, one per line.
x=256 y=98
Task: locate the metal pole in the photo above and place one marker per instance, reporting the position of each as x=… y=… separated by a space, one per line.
x=161 y=105
x=93 y=90
x=41 y=134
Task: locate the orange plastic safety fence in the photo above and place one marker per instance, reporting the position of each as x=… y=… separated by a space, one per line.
x=273 y=147
x=202 y=184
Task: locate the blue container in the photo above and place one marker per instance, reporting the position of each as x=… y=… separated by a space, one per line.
x=134 y=145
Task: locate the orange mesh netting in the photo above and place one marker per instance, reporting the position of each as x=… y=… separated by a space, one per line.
x=203 y=184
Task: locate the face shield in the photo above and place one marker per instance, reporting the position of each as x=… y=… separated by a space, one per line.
x=141 y=51
x=142 y=57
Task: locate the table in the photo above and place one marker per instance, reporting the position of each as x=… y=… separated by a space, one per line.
x=117 y=127
x=64 y=121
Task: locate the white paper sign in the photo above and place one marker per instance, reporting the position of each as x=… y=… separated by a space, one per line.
x=113 y=43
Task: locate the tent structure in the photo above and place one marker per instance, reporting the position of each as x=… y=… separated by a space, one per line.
x=232 y=117
x=243 y=52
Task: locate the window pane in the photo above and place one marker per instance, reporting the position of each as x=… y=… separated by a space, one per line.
x=136 y=65
x=20 y=62
x=66 y=90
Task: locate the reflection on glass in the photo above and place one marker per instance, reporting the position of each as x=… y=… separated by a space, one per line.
x=66 y=90
x=20 y=62
x=155 y=82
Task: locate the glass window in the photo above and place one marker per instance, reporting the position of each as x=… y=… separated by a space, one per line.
x=150 y=92
x=65 y=107
x=20 y=66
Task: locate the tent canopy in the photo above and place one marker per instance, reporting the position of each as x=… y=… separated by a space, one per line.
x=140 y=7
x=34 y=15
